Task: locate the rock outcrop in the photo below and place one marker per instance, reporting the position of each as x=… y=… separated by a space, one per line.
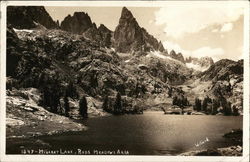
x=224 y=70
x=23 y=113
x=225 y=151
x=77 y=24
x=27 y=17
x=199 y=64
x=106 y=35
x=178 y=56
x=81 y=23
x=129 y=36
x=203 y=61
x=101 y=35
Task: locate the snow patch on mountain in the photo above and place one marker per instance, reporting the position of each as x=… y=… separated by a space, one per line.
x=23 y=30
x=196 y=67
x=159 y=54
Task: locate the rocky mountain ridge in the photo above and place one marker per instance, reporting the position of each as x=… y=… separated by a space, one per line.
x=203 y=61
x=27 y=17
x=135 y=39
x=199 y=64
x=223 y=70
x=177 y=56
x=91 y=60
x=81 y=23
x=77 y=24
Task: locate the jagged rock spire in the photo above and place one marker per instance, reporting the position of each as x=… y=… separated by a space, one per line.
x=77 y=24
x=129 y=36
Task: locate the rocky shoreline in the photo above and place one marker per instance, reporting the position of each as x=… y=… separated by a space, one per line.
x=235 y=150
x=24 y=118
x=226 y=151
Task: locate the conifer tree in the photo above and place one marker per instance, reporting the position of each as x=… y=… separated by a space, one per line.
x=66 y=104
x=197 y=104
x=118 y=104
x=83 y=107
x=105 y=105
x=204 y=105
x=227 y=108
x=215 y=106
x=175 y=100
x=170 y=92
x=235 y=111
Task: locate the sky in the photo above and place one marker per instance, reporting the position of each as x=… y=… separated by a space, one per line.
x=215 y=31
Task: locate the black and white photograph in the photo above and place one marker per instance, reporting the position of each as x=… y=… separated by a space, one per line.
x=157 y=79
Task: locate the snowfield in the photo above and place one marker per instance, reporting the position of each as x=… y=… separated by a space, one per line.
x=196 y=67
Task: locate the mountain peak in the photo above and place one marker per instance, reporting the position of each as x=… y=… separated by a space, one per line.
x=102 y=27
x=177 y=56
x=129 y=36
x=172 y=52
x=78 y=23
x=126 y=13
x=81 y=14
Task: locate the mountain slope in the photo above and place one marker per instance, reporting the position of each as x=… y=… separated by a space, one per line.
x=27 y=17
x=223 y=81
x=223 y=69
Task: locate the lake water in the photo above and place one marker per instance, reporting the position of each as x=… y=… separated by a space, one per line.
x=152 y=133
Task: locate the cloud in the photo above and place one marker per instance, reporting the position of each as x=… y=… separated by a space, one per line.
x=179 y=20
x=173 y=46
x=227 y=27
x=215 y=53
x=150 y=21
x=214 y=30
